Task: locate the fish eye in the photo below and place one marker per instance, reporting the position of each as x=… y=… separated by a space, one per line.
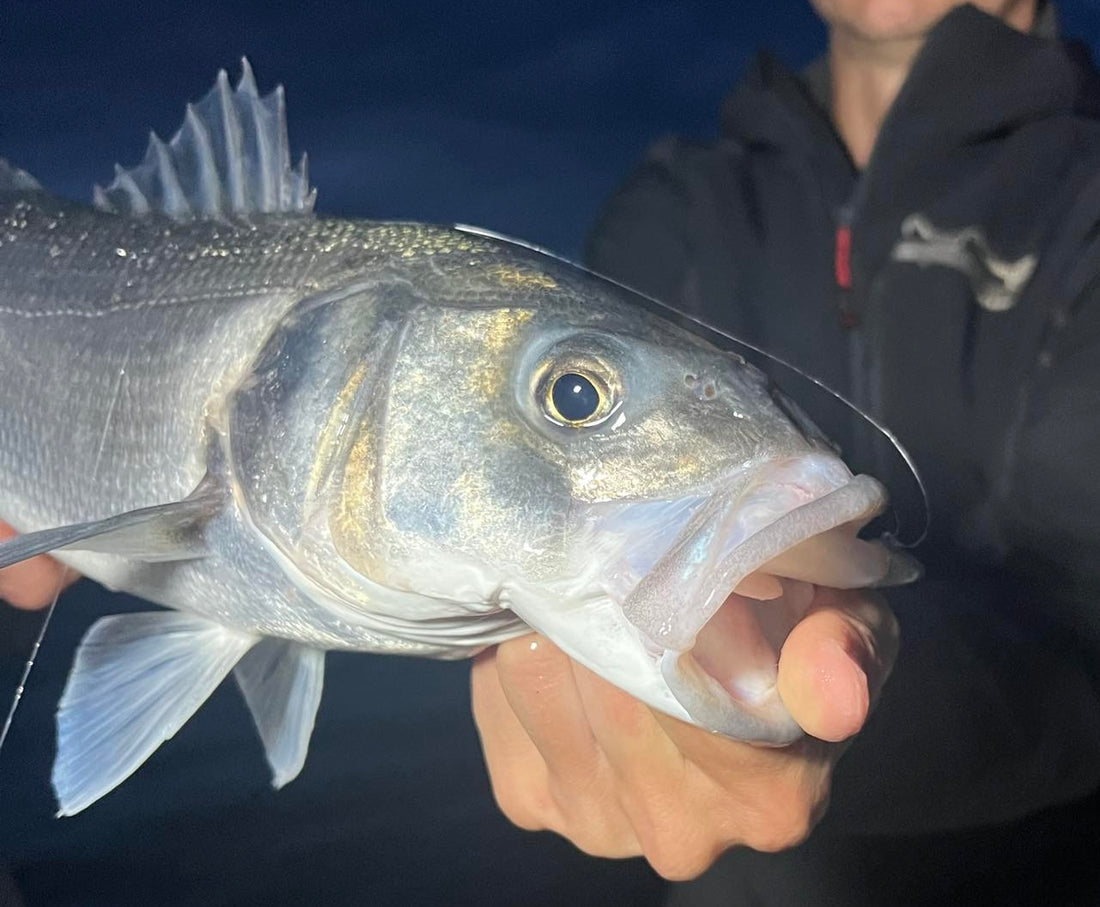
x=576 y=398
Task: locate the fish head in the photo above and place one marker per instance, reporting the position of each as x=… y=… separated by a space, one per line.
x=531 y=438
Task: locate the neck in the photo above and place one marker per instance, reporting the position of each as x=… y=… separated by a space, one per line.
x=868 y=72
x=866 y=78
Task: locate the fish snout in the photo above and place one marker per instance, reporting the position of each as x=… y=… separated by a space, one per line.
x=715 y=609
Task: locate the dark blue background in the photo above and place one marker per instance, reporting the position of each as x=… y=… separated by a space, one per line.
x=518 y=117
x=515 y=116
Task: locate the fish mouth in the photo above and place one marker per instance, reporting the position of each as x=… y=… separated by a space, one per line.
x=717 y=605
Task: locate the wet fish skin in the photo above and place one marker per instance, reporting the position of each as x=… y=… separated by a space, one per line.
x=141 y=330
x=366 y=413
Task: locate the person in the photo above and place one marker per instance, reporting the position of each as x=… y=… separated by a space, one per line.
x=914 y=220
x=911 y=223
x=31 y=584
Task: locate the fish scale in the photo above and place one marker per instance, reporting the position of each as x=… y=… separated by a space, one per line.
x=298 y=434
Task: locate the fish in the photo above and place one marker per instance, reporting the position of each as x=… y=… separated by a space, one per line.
x=293 y=434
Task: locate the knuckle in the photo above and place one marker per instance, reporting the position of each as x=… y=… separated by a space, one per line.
x=520 y=807
x=519 y=815
x=783 y=834
x=591 y=815
x=787 y=821
x=679 y=863
x=781 y=816
x=679 y=847
x=603 y=839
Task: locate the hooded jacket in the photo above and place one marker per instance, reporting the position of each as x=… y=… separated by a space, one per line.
x=952 y=288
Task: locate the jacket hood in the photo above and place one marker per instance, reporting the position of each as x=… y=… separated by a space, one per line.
x=988 y=120
x=975 y=77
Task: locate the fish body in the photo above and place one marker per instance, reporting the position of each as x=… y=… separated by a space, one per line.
x=125 y=343
x=304 y=434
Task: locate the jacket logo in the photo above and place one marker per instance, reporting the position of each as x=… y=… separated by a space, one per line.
x=996 y=282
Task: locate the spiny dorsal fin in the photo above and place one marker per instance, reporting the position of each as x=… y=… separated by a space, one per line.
x=230 y=158
x=12 y=180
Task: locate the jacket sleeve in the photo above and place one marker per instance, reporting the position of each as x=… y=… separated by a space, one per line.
x=1050 y=508
x=993 y=710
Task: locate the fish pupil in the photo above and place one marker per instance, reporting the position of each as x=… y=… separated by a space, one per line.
x=575 y=397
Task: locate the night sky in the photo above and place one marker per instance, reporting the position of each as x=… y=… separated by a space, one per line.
x=520 y=117
x=516 y=117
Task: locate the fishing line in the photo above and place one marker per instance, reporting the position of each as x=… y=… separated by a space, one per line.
x=30 y=660
x=29 y=666
x=664 y=308
x=880 y=427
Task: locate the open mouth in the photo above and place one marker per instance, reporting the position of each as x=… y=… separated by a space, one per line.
x=717 y=606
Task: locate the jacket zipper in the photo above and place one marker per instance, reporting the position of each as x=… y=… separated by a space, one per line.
x=842 y=265
x=859 y=371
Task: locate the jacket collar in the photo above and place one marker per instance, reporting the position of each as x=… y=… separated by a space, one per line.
x=958 y=146
x=975 y=76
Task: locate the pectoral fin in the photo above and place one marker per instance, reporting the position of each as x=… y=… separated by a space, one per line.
x=137 y=678
x=166 y=532
x=282 y=683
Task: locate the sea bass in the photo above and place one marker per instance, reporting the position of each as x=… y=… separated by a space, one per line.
x=300 y=434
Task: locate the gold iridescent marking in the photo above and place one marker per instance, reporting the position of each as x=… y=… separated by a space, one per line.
x=491 y=334
x=522 y=277
x=329 y=440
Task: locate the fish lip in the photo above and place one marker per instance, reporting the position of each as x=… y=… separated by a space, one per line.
x=710 y=704
x=812 y=542
x=682 y=591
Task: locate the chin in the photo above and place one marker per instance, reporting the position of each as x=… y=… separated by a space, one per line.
x=884 y=20
x=896 y=20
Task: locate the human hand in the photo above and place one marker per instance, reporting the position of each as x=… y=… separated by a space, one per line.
x=569 y=752
x=33 y=583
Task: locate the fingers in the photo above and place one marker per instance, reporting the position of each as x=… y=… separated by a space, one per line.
x=516 y=769
x=656 y=787
x=544 y=698
x=33 y=583
x=691 y=794
x=568 y=751
x=560 y=780
x=835 y=661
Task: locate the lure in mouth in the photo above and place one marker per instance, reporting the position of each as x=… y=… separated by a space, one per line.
x=716 y=607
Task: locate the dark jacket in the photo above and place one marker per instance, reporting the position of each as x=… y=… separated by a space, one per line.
x=952 y=289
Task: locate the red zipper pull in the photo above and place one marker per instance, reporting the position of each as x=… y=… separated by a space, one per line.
x=843 y=257
x=842 y=262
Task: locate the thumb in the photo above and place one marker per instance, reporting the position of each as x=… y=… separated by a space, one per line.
x=835 y=661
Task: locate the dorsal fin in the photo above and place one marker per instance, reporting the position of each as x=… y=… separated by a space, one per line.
x=12 y=180
x=230 y=158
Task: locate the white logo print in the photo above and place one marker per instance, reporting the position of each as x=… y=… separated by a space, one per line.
x=996 y=282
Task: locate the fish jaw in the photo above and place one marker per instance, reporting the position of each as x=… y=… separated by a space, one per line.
x=796 y=518
x=697 y=596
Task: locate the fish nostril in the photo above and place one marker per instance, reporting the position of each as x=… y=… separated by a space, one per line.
x=707 y=390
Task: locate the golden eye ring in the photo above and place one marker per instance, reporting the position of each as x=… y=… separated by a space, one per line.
x=576 y=397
